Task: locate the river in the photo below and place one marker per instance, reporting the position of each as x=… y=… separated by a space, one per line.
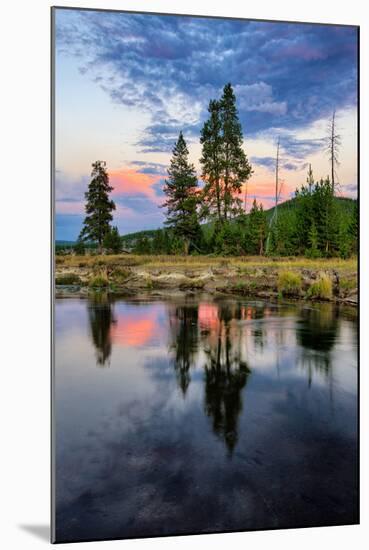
x=201 y=414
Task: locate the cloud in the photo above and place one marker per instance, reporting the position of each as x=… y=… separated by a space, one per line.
x=128 y=181
x=286 y=77
x=151 y=168
x=267 y=162
x=139 y=204
x=170 y=66
x=349 y=190
x=259 y=97
x=301 y=148
x=270 y=163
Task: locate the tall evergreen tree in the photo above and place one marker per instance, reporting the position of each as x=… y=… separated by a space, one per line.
x=79 y=247
x=236 y=167
x=98 y=206
x=225 y=166
x=313 y=239
x=212 y=163
x=353 y=228
x=112 y=241
x=182 y=198
x=257 y=228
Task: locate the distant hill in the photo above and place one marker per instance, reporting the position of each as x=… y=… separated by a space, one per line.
x=345 y=203
x=129 y=239
x=64 y=244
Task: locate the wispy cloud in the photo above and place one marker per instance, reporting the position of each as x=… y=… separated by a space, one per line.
x=165 y=69
x=171 y=66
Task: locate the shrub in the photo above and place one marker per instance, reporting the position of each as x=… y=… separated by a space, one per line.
x=289 y=283
x=119 y=275
x=99 y=281
x=68 y=279
x=347 y=283
x=149 y=283
x=192 y=284
x=321 y=289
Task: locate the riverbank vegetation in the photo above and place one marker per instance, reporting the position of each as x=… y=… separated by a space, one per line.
x=210 y=216
x=264 y=277
x=305 y=247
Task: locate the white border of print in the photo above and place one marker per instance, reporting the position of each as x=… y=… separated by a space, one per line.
x=25 y=271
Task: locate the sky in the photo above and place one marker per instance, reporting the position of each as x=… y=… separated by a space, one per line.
x=126 y=84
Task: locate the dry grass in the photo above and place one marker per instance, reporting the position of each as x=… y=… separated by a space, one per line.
x=289 y=283
x=321 y=289
x=99 y=281
x=241 y=262
x=68 y=279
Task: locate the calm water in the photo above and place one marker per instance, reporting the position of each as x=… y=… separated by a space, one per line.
x=197 y=415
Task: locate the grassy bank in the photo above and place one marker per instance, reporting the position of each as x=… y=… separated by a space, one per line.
x=320 y=279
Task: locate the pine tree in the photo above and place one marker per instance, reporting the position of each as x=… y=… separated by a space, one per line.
x=158 y=242
x=98 y=206
x=143 y=245
x=112 y=241
x=305 y=204
x=182 y=197
x=353 y=228
x=310 y=179
x=236 y=167
x=344 y=239
x=326 y=217
x=225 y=167
x=79 y=247
x=313 y=250
x=212 y=163
x=257 y=228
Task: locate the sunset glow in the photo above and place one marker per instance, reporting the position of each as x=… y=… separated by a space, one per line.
x=126 y=84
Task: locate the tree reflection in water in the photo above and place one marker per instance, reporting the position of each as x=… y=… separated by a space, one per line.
x=316 y=333
x=216 y=332
x=184 y=326
x=226 y=374
x=101 y=317
x=215 y=337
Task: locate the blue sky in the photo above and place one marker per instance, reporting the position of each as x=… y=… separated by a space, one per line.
x=126 y=84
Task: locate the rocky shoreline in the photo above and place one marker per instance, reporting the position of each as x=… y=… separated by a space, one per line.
x=232 y=279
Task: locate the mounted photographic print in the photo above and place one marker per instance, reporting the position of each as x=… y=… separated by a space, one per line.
x=205 y=295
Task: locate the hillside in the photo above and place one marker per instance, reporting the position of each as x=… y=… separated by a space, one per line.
x=129 y=239
x=345 y=204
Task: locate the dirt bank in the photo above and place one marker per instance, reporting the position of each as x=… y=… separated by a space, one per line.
x=255 y=277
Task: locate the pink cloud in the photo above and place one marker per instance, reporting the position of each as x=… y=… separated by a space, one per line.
x=129 y=182
x=68 y=207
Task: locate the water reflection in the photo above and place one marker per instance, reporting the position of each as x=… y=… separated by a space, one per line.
x=143 y=447
x=226 y=374
x=317 y=332
x=184 y=332
x=101 y=318
x=218 y=337
x=317 y=328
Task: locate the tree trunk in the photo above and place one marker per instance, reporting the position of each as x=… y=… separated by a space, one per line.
x=261 y=248
x=218 y=201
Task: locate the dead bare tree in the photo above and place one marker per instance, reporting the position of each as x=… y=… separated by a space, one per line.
x=333 y=143
x=273 y=219
x=276 y=180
